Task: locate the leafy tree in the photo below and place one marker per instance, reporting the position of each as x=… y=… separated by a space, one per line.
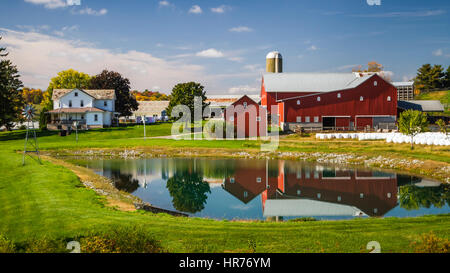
x=442 y=126
x=10 y=97
x=184 y=94
x=149 y=96
x=429 y=77
x=412 y=197
x=411 y=123
x=32 y=96
x=68 y=79
x=188 y=191
x=125 y=102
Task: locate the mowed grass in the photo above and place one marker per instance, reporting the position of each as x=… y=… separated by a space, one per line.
x=49 y=201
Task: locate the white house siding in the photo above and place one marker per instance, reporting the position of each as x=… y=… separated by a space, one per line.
x=107 y=118
x=90 y=119
x=101 y=105
x=64 y=102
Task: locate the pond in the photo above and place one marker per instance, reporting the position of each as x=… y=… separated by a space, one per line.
x=268 y=189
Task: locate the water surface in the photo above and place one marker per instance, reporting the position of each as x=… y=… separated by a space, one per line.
x=261 y=189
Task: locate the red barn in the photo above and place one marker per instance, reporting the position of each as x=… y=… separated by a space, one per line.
x=248 y=117
x=344 y=101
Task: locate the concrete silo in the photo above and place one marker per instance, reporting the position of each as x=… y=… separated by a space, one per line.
x=274 y=62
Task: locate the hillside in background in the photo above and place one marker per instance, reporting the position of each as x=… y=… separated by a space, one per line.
x=442 y=96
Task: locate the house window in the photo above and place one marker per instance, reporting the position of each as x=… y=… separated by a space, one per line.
x=81 y=103
x=339 y=95
x=70 y=103
x=307 y=119
x=389 y=98
x=318 y=98
x=375 y=83
x=105 y=103
x=82 y=116
x=298 y=102
x=316 y=119
x=258 y=180
x=299 y=119
x=95 y=117
x=361 y=98
x=76 y=94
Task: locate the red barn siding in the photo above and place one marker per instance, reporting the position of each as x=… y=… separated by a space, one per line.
x=253 y=128
x=375 y=103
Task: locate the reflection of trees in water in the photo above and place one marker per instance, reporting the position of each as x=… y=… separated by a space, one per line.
x=124 y=182
x=413 y=197
x=188 y=191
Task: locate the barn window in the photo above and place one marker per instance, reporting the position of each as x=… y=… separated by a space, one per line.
x=232 y=180
x=318 y=98
x=375 y=83
x=245 y=194
x=319 y=196
x=316 y=119
x=76 y=94
x=299 y=174
x=258 y=180
x=299 y=192
x=258 y=119
x=361 y=98
x=231 y=118
x=299 y=119
x=389 y=195
x=361 y=195
x=339 y=95
x=339 y=199
x=298 y=102
x=307 y=119
x=389 y=98
x=245 y=105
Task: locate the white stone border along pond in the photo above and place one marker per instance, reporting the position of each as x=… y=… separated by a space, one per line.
x=438 y=139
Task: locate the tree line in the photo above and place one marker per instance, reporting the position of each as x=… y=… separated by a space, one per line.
x=432 y=77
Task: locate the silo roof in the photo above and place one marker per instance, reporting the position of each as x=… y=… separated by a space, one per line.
x=312 y=82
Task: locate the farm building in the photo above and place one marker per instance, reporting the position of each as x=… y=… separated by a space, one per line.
x=218 y=103
x=248 y=117
x=345 y=101
x=405 y=90
x=152 y=110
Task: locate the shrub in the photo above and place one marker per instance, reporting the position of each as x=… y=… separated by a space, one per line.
x=430 y=243
x=121 y=240
x=45 y=245
x=6 y=246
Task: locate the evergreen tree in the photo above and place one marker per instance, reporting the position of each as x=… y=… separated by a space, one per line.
x=11 y=102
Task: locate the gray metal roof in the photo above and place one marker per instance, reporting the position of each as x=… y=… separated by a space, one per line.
x=312 y=82
x=422 y=105
x=403 y=84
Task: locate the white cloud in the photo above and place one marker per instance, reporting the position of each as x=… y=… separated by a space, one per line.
x=438 y=52
x=241 y=29
x=243 y=89
x=49 y=4
x=421 y=13
x=196 y=9
x=89 y=11
x=313 y=48
x=164 y=3
x=220 y=9
x=40 y=57
x=30 y=28
x=210 y=53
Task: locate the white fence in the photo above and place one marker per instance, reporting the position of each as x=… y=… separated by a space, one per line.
x=438 y=139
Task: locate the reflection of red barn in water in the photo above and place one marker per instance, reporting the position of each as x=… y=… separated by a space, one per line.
x=302 y=191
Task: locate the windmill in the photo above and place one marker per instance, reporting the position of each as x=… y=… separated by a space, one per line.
x=29 y=112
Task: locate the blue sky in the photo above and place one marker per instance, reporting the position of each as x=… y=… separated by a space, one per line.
x=223 y=43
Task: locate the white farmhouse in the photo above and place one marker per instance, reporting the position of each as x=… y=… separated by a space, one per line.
x=89 y=108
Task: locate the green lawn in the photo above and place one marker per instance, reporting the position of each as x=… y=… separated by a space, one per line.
x=49 y=201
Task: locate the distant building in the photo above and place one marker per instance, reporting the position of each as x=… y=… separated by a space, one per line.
x=152 y=110
x=405 y=90
x=218 y=103
x=248 y=117
x=89 y=108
